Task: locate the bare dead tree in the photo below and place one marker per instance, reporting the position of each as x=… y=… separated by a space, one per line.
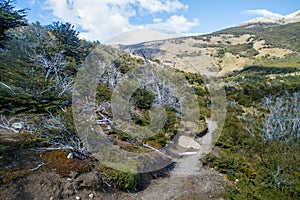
x=38 y=44
x=280 y=119
x=164 y=95
x=59 y=136
x=113 y=76
x=7 y=124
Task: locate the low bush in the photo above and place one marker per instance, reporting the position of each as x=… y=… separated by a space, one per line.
x=255 y=168
x=125 y=181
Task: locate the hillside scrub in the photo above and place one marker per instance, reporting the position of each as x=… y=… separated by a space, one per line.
x=259 y=145
x=47 y=59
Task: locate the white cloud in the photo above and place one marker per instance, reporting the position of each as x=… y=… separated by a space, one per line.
x=103 y=19
x=175 y=23
x=157 y=20
x=180 y=23
x=264 y=13
x=160 y=5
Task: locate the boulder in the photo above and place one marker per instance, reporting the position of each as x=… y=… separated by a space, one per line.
x=188 y=142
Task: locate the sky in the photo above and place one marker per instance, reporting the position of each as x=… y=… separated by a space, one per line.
x=102 y=19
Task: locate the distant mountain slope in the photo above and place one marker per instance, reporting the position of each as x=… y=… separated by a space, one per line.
x=281 y=36
x=291 y=18
x=268 y=44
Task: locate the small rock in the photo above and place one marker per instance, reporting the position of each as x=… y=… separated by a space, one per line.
x=78 y=198
x=51 y=198
x=18 y=125
x=91 y=195
x=70 y=156
x=69 y=179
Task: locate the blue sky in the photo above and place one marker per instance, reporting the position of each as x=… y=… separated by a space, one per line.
x=102 y=19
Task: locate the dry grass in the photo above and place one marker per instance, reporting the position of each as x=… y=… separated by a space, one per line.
x=231 y=62
x=277 y=52
x=264 y=50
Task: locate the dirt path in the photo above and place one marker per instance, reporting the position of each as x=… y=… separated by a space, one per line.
x=206 y=184
x=189 y=179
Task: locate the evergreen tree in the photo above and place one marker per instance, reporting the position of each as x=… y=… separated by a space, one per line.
x=67 y=37
x=10 y=18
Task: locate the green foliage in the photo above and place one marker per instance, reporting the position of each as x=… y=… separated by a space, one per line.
x=30 y=140
x=291 y=60
x=141 y=118
x=281 y=36
x=66 y=117
x=103 y=92
x=169 y=126
x=264 y=70
x=142 y=98
x=125 y=63
x=10 y=18
x=254 y=83
x=197 y=83
x=256 y=170
x=125 y=181
x=262 y=172
x=189 y=54
x=159 y=138
x=34 y=57
x=193 y=78
x=284 y=36
x=220 y=52
x=122 y=135
x=67 y=37
x=243 y=50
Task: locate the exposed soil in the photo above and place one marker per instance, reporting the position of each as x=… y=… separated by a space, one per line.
x=44 y=183
x=207 y=184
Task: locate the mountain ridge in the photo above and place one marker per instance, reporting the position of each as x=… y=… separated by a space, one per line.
x=290 y=18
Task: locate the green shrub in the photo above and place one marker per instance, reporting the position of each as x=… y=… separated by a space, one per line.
x=142 y=98
x=125 y=181
x=122 y=135
x=29 y=140
x=103 y=92
x=256 y=170
x=159 y=138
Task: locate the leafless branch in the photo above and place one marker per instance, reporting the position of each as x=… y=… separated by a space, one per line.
x=280 y=120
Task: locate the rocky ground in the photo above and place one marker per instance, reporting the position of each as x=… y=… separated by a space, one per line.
x=188 y=180
x=206 y=184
